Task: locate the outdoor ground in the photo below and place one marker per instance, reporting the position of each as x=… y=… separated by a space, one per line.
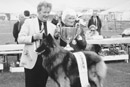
x=118 y=74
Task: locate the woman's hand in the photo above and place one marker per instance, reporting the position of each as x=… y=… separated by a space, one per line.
x=79 y=37
x=57 y=33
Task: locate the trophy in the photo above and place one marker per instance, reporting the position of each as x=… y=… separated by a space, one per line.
x=68 y=34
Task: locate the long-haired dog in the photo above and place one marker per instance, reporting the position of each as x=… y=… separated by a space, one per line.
x=62 y=66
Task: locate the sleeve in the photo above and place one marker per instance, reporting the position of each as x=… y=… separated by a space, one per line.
x=15 y=31
x=20 y=24
x=89 y=23
x=24 y=36
x=81 y=43
x=100 y=22
x=62 y=43
x=56 y=33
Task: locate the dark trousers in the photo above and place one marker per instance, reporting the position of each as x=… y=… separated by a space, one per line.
x=18 y=57
x=36 y=77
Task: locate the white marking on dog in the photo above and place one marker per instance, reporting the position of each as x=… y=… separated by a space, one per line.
x=83 y=70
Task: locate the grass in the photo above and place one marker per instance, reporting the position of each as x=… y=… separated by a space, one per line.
x=118 y=75
x=11 y=79
x=6 y=29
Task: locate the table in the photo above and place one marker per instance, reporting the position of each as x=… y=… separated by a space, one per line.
x=112 y=41
x=10 y=49
x=109 y=41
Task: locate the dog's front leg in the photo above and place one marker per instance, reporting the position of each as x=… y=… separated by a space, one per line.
x=62 y=79
x=94 y=77
x=57 y=82
x=64 y=82
x=95 y=73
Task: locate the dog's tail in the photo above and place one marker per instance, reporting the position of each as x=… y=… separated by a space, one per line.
x=97 y=73
x=101 y=69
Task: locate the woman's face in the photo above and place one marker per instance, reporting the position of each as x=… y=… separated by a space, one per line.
x=69 y=20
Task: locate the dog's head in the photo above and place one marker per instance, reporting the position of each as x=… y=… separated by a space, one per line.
x=48 y=43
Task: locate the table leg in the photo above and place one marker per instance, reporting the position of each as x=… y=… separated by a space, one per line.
x=128 y=52
x=6 y=65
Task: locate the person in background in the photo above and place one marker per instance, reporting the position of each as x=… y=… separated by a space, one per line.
x=16 y=32
x=92 y=33
x=68 y=19
x=26 y=16
x=32 y=31
x=15 y=27
x=95 y=20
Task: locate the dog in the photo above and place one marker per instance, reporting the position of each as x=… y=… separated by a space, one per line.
x=93 y=47
x=62 y=67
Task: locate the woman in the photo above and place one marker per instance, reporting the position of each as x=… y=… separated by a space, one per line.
x=69 y=20
x=92 y=33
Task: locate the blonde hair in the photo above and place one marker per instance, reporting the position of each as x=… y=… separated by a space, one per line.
x=68 y=11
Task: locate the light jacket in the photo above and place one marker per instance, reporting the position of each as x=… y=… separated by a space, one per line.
x=28 y=29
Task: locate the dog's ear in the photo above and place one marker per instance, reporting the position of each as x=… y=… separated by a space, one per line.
x=39 y=49
x=49 y=38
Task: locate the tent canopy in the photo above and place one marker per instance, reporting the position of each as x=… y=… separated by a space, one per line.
x=120 y=8
x=18 y=6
